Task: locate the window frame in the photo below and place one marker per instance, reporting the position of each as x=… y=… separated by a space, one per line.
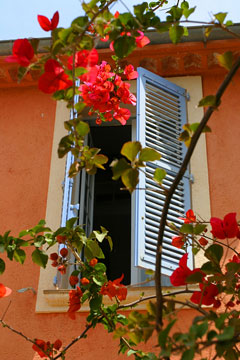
x=49 y=299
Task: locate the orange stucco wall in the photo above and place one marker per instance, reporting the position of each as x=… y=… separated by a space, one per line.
x=26 y=131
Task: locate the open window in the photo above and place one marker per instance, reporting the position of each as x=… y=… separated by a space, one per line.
x=133 y=223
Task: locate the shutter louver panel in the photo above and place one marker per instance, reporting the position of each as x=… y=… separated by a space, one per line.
x=161 y=112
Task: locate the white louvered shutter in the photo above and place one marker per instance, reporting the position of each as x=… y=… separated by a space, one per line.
x=161 y=112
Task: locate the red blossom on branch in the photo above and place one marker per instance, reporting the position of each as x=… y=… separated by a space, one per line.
x=4 y=291
x=41 y=347
x=93 y=262
x=178 y=241
x=114 y=288
x=190 y=217
x=74 y=302
x=54 y=78
x=206 y=296
x=73 y=280
x=130 y=72
x=103 y=91
x=46 y=24
x=180 y=275
x=22 y=53
x=226 y=228
x=84 y=58
x=142 y=40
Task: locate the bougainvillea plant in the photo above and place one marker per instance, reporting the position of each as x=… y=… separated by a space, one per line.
x=70 y=67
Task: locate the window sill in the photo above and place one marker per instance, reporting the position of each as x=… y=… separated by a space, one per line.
x=56 y=301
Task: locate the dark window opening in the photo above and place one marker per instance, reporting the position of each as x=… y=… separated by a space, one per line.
x=112 y=206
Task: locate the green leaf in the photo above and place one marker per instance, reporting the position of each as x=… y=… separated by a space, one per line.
x=186 y=229
x=100 y=236
x=211 y=335
x=130 y=179
x=188 y=354
x=92 y=249
x=199 y=228
x=40 y=258
x=220 y=17
x=209 y=268
x=2 y=266
x=124 y=45
x=71 y=222
x=208 y=31
x=82 y=128
x=99 y=160
x=64 y=146
x=95 y=303
x=80 y=21
x=209 y=100
x=188 y=12
x=118 y=167
x=227 y=334
x=163 y=335
x=100 y=267
x=199 y=330
x=159 y=175
x=225 y=60
x=194 y=278
x=19 y=255
x=80 y=106
x=175 y=33
x=148 y=154
x=214 y=253
x=220 y=321
x=130 y=149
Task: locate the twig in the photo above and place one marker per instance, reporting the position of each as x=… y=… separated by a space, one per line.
x=141 y=299
x=6 y=309
x=175 y=183
x=82 y=335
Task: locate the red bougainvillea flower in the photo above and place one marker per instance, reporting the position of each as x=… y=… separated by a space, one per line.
x=46 y=24
x=114 y=288
x=202 y=241
x=178 y=241
x=74 y=302
x=84 y=281
x=22 y=53
x=62 y=269
x=226 y=228
x=64 y=252
x=54 y=78
x=142 y=40
x=84 y=58
x=4 y=291
x=190 y=217
x=122 y=115
x=93 y=262
x=206 y=295
x=180 y=275
x=41 y=347
x=54 y=256
x=61 y=239
x=57 y=344
x=130 y=72
x=73 y=280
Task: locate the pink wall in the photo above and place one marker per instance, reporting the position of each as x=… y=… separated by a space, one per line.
x=26 y=130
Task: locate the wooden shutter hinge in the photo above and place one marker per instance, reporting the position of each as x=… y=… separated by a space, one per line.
x=191 y=178
x=188 y=96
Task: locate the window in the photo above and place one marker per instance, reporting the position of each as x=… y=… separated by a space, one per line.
x=161 y=113
x=51 y=300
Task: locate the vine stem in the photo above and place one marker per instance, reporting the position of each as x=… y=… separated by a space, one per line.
x=206 y=117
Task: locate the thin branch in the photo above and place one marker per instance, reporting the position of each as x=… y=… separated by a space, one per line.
x=175 y=183
x=82 y=335
x=141 y=299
